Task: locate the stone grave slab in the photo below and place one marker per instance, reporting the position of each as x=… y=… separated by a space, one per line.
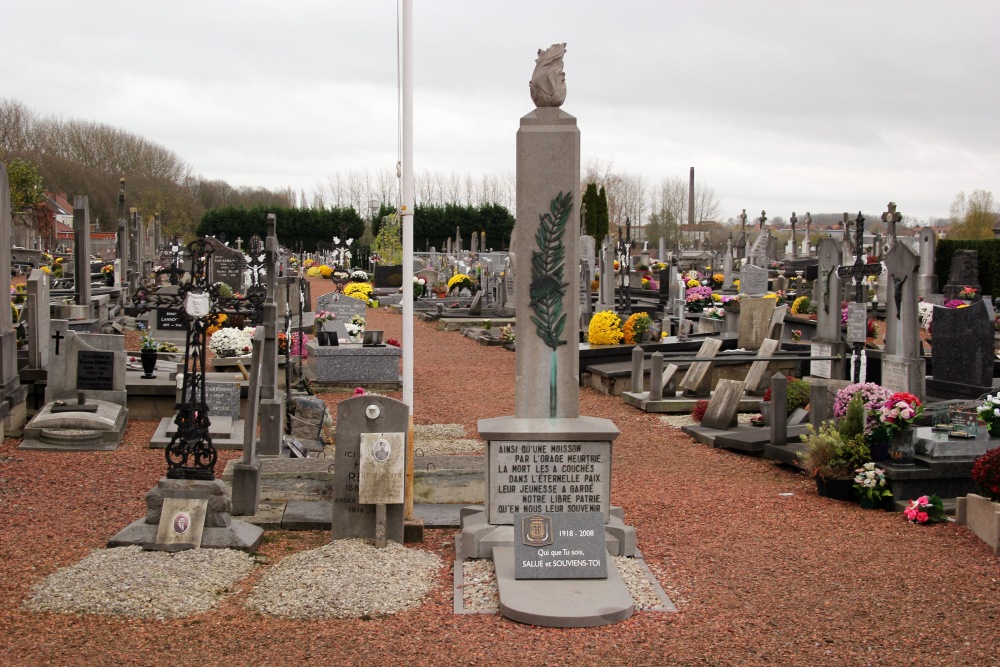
x=758 y=369
x=721 y=412
x=755 y=322
x=697 y=376
x=344 y=307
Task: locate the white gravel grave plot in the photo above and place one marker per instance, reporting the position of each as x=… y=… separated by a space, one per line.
x=438 y=431
x=346 y=579
x=127 y=581
x=443 y=439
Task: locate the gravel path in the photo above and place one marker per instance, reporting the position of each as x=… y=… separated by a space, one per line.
x=759 y=578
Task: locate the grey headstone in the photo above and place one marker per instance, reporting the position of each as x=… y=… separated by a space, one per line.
x=476 y=307
x=227 y=265
x=698 y=375
x=307 y=422
x=38 y=319
x=757 y=374
x=721 y=412
x=779 y=409
x=755 y=321
x=223 y=399
x=901 y=323
x=753 y=280
x=351 y=519
x=344 y=307
x=827 y=289
x=85 y=361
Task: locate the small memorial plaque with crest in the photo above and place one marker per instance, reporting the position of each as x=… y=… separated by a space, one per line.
x=560 y=545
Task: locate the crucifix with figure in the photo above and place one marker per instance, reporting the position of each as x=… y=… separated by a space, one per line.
x=859 y=271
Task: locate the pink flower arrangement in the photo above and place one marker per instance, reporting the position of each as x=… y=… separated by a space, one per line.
x=900 y=411
x=925 y=509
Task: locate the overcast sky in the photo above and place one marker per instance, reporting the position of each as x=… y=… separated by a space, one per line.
x=821 y=106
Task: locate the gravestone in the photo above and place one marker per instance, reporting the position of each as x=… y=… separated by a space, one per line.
x=246 y=473
x=606 y=293
x=227 y=266
x=344 y=307
x=38 y=319
x=223 y=399
x=387 y=276
x=962 y=354
x=901 y=322
x=757 y=374
x=356 y=418
x=776 y=323
x=90 y=367
x=697 y=380
x=755 y=322
x=753 y=280
x=964 y=273
x=81 y=255
x=721 y=412
x=727 y=268
x=927 y=280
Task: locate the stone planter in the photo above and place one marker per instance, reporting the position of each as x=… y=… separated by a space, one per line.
x=982 y=516
x=838 y=489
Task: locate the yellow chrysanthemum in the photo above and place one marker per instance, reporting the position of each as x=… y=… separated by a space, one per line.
x=605 y=328
x=313 y=272
x=325 y=271
x=694 y=283
x=636 y=324
x=361 y=291
x=800 y=305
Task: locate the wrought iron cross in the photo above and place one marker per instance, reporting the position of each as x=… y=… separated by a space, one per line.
x=859 y=271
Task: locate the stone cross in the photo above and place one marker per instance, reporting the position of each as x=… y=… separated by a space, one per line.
x=890 y=218
x=239 y=243
x=763 y=219
x=806 y=246
x=859 y=271
x=793 y=220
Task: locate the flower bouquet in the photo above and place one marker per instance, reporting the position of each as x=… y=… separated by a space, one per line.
x=968 y=292
x=359 y=276
x=107 y=269
x=231 y=342
x=148 y=343
x=869 y=486
x=356 y=327
x=605 y=329
x=989 y=412
x=419 y=286
x=698 y=298
x=900 y=411
x=873 y=395
x=362 y=291
x=636 y=325
x=715 y=313
x=925 y=509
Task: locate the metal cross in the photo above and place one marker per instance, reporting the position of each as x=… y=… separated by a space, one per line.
x=859 y=271
x=57 y=336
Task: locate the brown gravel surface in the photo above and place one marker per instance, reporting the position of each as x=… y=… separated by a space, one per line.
x=758 y=578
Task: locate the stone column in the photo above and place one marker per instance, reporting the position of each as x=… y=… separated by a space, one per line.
x=81 y=250
x=927 y=280
x=122 y=252
x=548 y=312
x=272 y=404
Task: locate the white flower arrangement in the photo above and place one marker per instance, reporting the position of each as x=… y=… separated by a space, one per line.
x=232 y=341
x=356 y=326
x=925 y=314
x=359 y=276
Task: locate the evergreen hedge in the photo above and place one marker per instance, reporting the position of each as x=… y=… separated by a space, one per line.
x=988 y=251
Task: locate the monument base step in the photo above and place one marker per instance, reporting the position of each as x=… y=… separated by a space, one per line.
x=237 y=535
x=225 y=433
x=751 y=439
x=561 y=603
x=97 y=431
x=680 y=404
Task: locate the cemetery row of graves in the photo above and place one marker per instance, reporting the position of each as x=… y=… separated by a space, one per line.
x=856 y=371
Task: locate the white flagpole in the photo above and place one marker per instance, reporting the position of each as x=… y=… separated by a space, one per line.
x=406 y=213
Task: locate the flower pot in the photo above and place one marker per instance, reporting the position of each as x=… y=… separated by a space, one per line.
x=994 y=429
x=148 y=359
x=901 y=447
x=838 y=489
x=109 y=279
x=880 y=451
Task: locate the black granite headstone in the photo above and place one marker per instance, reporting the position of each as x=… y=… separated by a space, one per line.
x=167 y=319
x=962 y=350
x=95 y=370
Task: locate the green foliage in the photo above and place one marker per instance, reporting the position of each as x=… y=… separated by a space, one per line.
x=828 y=455
x=798 y=394
x=389 y=241
x=988 y=251
x=26 y=185
x=434 y=225
x=603 y=222
x=589 y=207
x=308 y=225
x=853 y=423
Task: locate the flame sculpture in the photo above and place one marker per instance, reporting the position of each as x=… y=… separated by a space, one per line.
x=548 y=81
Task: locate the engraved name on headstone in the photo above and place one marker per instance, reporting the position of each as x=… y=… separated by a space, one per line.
x=95 y=370
x=223 y=399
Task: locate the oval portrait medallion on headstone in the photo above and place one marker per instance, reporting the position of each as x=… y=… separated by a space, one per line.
x=381 y=450
x=536 y=530
x=182 y=521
